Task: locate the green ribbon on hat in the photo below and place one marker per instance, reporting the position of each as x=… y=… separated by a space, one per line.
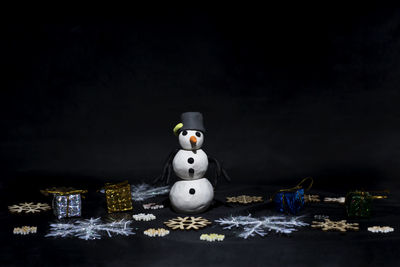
x=177 y=128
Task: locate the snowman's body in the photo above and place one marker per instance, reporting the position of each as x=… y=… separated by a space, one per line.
x=190 y=164
x=191 y=196
x=194 y=193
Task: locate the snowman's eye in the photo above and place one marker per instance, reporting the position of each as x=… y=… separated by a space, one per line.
x=184 y=133
x=198 y=134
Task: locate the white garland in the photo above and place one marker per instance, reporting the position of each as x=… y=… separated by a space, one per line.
x=212 y=237
x=321 y=217
x=144 y=191
x=152 y=206
x=161 y=232
x=340 y=200
x=25 y=230
x=261 y=226
x=90 y=229
x=381 y=229
x=144 y=217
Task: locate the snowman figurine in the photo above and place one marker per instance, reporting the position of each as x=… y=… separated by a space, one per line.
x=193 y=193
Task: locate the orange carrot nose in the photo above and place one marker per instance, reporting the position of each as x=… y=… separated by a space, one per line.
x=193 y=140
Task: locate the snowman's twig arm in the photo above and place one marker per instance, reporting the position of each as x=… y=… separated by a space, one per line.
x=167 y=169
x=218 y=170
x=169 y=172
x=226 y=176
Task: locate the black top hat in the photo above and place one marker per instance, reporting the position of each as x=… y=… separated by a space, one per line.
x=192 y=121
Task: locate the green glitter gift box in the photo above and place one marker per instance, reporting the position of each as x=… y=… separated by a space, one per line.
x=358 y=204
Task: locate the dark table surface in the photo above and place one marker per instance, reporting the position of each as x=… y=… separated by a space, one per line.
x=306 y=247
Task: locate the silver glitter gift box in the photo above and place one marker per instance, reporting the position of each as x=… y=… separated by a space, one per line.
x=67 y=203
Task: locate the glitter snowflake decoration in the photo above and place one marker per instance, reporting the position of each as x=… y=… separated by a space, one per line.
x=144 y=191
x=29 y=207
x=261 y=226
x=90 y=229
x=187 y=223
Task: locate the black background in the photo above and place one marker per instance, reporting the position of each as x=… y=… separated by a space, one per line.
x=285 y=94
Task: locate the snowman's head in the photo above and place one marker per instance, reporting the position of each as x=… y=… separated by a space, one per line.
x=191 y=139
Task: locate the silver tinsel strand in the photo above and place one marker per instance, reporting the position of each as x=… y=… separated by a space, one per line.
x=261 y=226
x=144 y=191
x=90 y=229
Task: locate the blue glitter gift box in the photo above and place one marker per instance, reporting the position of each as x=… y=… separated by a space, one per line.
x=291 y=200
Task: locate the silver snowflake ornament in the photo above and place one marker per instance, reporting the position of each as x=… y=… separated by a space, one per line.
x=144 y=191
x=90 y=229
x=252 y=226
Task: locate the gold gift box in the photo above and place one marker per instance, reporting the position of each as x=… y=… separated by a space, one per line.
x=118 y=197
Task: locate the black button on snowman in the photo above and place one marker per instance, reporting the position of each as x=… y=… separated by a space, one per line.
x=193 y=193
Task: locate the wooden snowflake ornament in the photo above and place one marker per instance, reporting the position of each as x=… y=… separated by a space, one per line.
x=341 y=226
x=312 y=198
x=243 y=199
x=187 y=223
x=29 y=207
